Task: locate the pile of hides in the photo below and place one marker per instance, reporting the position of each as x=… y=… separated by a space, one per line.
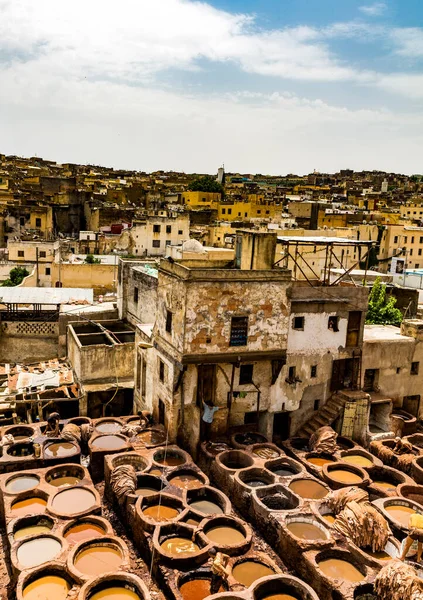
x=400 y=456
x=364 y=525
x=123 y=481
x=398 y=581
x=86 y=432
x=71 y=433
x=339 y=499
x=131 y=430
x=323 y=441
x=7 y=440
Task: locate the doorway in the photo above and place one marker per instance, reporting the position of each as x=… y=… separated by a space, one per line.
x=281 y=425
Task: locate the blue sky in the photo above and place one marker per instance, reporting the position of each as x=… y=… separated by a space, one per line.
x=270 y=86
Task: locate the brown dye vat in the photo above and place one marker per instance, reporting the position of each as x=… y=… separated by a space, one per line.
x=329 y=518
x=36 y=551
x=379 y=555
x=357 y=460
x=59 y=449
x=192 y=522
x=107 y=442
x=344 y=476
x=179 y=545
x=108 y=427
x=83 y=531
x=151 y=437
x=73 y=500
x=51 y=586
x=280 y=597
x=400 y=513
x=98 y=560
x=284 y=472
x=206 y=507
x=305 y=531
x=306 y=488
x=249 y=571
x=30 y=530
x=114 y=593
x=187 y=482
x=197 y=589
x=145 y=491
x=170 y=461
x=64 y=481
x=318 y=461
x=156 y=472
x=386 y=485
x=266 y=453
x=336 y=568
x=160 y=512
x=28 y=506
x=229 y=536
x=22 y=484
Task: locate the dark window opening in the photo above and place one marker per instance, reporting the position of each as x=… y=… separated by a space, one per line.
x=168 y=228
x=298 y=323
x=156 y=243
x=37 y=222
x=180 y=232
x=245 y=374
x=414 y=368
x=136 y=294
x=161 y=370
x=398 y=370
x=239 y=331
x=47 y=270
x=21 y=253
x=291 y=373
x=353 y=328
x=156 y=228
x=169 y=321
x=162 y=412
x=313 y=371
x=333 y=323
x=250 y=418
x=22 y=221
x=42 y=254
x=316 y=405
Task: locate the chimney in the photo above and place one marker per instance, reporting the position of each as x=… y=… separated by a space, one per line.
x=255 y=250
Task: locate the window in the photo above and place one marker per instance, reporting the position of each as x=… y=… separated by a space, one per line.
x=316 y=405
x=267 y=212
x=420 y=251
x=22 y=221
x=37 y=222
x=396 y=239
x=135 y=295
x=259 y=212
x=239 y=214
x=398 y=370
x=414 y=368
x=245 y=214
x=416 y=266
x=168 y=228
x=333 y=323
x=313 y=371
x=47 y=270
x=291 y=373
x=421 y=240
x=298 y=323
x=412 y=237
x=21 y=253
x=169 y=316
x=229 y=211
x=223 y=211
x=156 y=228
x=245 y=374
x=405 y=239
x=180 y=232
x=239 y=331
x=156 y=243
x=42 y=254
x=250 y=418
x=168 y=242
x=353 y=328
x=411 y=252
x=161 y=370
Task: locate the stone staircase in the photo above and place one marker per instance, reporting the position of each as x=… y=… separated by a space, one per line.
x=324 y=416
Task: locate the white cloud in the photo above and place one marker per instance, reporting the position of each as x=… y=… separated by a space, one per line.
x=408 y=41
x=374 y=10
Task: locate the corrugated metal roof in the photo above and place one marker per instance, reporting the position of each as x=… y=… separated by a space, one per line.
x=320 y=240
x=44 y=295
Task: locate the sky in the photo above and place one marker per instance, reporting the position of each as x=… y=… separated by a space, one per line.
x=261 y=86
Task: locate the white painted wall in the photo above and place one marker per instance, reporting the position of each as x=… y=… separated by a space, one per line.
x=316 y=336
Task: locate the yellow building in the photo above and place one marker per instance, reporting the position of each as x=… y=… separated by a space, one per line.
x=402 y=241
x=201 y=199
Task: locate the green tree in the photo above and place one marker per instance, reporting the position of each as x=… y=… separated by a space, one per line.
x=90 y=259
x=381 y=309
x=16 y=276
x=207 y=183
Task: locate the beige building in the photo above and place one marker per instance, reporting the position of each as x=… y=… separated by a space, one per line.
x=38 y=257
x=404 y=242
x=151 y=235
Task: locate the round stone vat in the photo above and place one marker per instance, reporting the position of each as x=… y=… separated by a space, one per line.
x=417 y=470
x=234 y=460
x=177 y=544
x=65 y=476
x=74 y=501
x=33 y=502
x=212 y=449
x=86 y=528
x=321 y=509
x=187 y=479
x=130 y=458
x=385 y=480
x=365 y=592
x=80 y=421
x=60 y=449
x=340 y=475
x=411 y=492
x=208 y=501
x=113 y=586
x=416 y=439
x=108 y=443
x=254 y=477
x=169 y=458
x=21 y=450
x=379 y=559
x=359 y=458
x=196 y=585
x=319 y=460
x=151 y=437
x=35 y=551
x=284 y=467
x=21 y=483
x=49 y=581
x=345 y=443
x=20 y=432
x=306 y=528
x=276 y=497
x=297 y=443
x=398 y=510
x=108 y=426
x=341 y=565
x=308 y=488
x=242 y=440
x=246 y=572
x=159 y=508
x=282 y=587
x=29 y=526
x=228 y=534
x=265 y=451
x=97 y=557
x=148 y=485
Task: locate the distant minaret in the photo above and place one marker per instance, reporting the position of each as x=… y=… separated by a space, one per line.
x=221 y=175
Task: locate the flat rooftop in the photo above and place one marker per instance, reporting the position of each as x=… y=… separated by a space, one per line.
x=384 y=333
x=45 y=295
